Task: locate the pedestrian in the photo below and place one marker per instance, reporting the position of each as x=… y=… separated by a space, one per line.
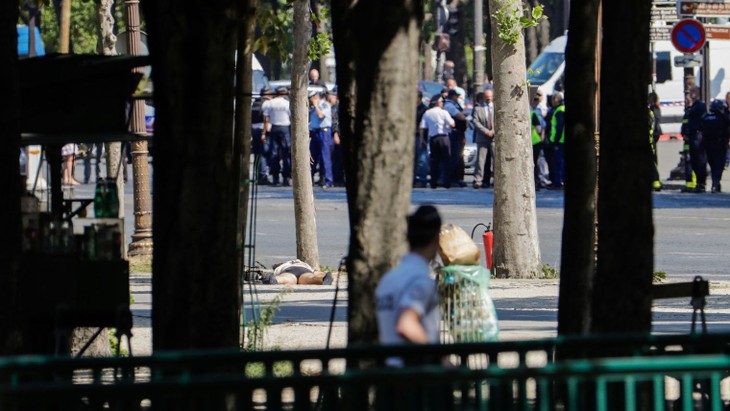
x=338 y=166
x=483 y=120
x=68 y=154
x=97 y=151
x=655 y=127
x=320 y=146
x=259 y=144
x=689 y=175
x=537 y=128
x=457 y=137
x=727 y=114
x=314 y=79
x=277 y=128
x=420 y=161
x=434 y=127
x=407 y=302
x=557 y=140
x=715 y=137
x=697 y=156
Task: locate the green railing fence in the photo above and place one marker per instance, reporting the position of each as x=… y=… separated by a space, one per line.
x=687 y=372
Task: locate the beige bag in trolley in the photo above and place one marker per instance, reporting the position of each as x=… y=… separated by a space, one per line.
x=456 y=247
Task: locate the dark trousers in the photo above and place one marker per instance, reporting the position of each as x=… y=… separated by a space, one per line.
x=280 y=137
x=98 y=150
x=456 y=139
x=536 y=150
x=320 y=148
x=440 y=160
x=548 y=151
x=698 y=158
x=716 y=156
x=338 y=166
x=558 y=165
x=420 y=163
x=261 y=150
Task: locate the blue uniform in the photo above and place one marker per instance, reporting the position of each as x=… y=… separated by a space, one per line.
x=321 y=142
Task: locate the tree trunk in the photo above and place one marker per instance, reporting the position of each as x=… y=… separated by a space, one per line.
x=377 y=72
x=516 y=248
x=195 y=282
x=577 y=267
x=622 y=288
x=11 y=320
x=304 y=213
x=242 y=142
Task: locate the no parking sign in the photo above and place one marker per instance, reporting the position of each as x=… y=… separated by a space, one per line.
x=688 y=36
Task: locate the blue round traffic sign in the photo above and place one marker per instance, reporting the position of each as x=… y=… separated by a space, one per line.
x=688 y=36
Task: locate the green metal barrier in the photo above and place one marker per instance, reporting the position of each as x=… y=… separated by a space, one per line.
x=492 y=376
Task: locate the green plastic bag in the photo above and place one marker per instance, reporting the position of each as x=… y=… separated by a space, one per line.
x=466 y=306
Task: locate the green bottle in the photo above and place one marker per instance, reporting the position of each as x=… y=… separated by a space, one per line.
x=100 y=201
x=112 y=200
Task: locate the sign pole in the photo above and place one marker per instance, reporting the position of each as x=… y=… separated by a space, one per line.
x=706 y=80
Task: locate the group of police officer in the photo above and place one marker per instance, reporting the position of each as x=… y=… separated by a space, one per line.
x=271 y=138
x=706 y=135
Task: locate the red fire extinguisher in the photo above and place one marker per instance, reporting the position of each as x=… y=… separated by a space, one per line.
x=488 y=241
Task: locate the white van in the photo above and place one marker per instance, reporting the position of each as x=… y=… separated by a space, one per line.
x=548 y=69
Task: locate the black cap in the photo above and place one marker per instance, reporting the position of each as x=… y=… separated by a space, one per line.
x=452 y=93
x=436 y=97
x=266 y=91
x=444 y=90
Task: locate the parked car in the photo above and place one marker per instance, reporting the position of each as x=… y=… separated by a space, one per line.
x=287 y=83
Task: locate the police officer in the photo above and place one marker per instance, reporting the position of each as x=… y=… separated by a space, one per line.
x=537 y=126
x=557 y=140
x=321 y=142
x=697 y=155
x=259 y=144
x=457 y=137
x=715 y=136
x=434 y=127
x=277 y=119
x=656 y=182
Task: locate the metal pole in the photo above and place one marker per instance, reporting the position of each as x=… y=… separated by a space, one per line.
x=478 y=46
x=142 y=238
x=706 y=76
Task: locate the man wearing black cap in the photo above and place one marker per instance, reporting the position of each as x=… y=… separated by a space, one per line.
x=277 y=119
x=259 y=145
x=457 y=137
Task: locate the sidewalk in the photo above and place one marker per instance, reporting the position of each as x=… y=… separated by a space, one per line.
x=527 y=309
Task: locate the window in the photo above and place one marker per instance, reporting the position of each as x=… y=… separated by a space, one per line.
x=663 y=66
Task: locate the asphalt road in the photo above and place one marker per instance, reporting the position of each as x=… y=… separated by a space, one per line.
x=691 y=229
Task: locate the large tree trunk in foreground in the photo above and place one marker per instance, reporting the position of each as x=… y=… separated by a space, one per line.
x=377 y=72
x=242 y=143
x=195 y=282
x=578 y=263
x=622 y=288
x=516 y=248
x=304 y=213
x=11 y=335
